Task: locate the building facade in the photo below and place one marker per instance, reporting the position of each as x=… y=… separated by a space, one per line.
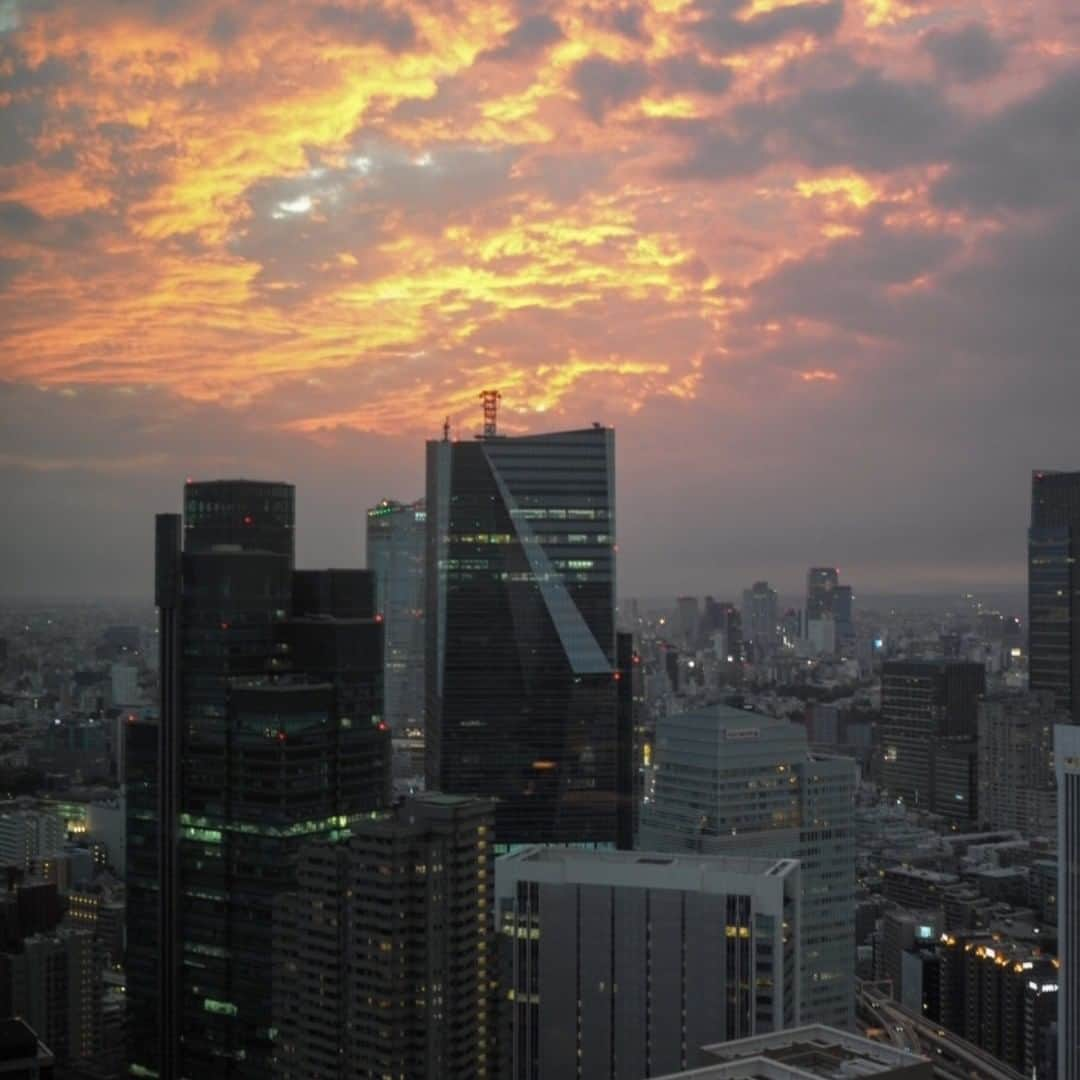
x=1053 y=587
x=760 y=621
x=1016 y=762
x=396 y=539
x=270 y=734
x=1067 y=767
x=923 y=701
x=624 y=964
x=730 y=781
x=521 y=662
x=27 y=834
x=384 y=958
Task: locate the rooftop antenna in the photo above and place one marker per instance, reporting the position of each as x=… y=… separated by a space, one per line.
x=446 y=430
x=491 y=399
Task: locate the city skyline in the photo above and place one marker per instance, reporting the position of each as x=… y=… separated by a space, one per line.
x=811 y=259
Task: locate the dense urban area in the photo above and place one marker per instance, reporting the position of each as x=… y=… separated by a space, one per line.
x=616 y=841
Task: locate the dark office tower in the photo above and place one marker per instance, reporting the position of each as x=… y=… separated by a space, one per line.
x=760 y=620
x=843 y=608
x=687 y=621
x=820 y=583
x=929 y=708
x=628 y=774
x=270 y=734
x=384 y=952
x=520 y=660
x=396 y=535
x=141 y=885
x=1054 y=588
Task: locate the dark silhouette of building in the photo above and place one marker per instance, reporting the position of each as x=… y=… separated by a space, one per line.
x=820 y=583
x=384 y=952
x=396 y=541
x=270 y=735
x=1053 y=587
x=923 y=702
x=521 y=662
x=22 y=1054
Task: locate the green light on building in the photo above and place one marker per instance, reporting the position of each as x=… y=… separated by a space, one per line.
x=222 y=1008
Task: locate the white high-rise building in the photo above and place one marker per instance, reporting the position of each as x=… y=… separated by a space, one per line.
x=624 y=964
x=730 y=781
x=1067 y=766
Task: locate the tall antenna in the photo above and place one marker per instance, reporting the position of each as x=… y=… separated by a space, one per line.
x=446 y=430
x=490 y=398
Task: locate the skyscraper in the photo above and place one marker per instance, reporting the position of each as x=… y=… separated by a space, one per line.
x=1016 y=762
x=820 y=583
x=922 y=703
x=270 y=734
x=623 y=964
x=384 y=953
x=730 y=781
x=1053 y=588
x=1067 y=766
x=521 y=663
x=396 y=534
x=760 y=619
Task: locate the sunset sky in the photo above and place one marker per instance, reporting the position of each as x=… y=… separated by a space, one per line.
x=818 y=264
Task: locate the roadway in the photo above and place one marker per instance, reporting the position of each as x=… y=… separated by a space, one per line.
x=953 y=1058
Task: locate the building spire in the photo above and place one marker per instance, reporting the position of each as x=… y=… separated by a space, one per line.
x=491 y=399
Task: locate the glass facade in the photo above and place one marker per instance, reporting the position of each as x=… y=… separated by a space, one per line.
x=271 y=734
x=396 y=535
x=1054 y=588
x=521 y=665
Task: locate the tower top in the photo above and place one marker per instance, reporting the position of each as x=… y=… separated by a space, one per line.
x=491 y=399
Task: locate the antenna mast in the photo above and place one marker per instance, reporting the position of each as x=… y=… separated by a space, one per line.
x=446 y=430
x=491 y=399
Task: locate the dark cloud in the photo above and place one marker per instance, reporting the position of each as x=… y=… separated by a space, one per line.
x=28 y=86
x=849 y=285
x=17 y=220
x=530 y=36
x=872 y=122
x=368 y=22
x=628 y=20
x=225 y=27
x=689 y=73
x=1025 y=157
x=720 y=31
x=869 y=122
x=967 y=54
x=9 y=268
x=603 y=84
x=717 y=154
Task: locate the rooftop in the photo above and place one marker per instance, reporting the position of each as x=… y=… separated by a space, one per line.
x=805 y=1053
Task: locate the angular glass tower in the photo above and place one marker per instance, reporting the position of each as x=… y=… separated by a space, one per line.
x=521 y=666
x=1054 y=588
x=270 y=734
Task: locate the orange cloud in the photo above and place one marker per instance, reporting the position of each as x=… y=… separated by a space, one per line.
x=231 y=201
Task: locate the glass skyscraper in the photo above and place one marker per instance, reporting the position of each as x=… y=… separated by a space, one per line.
x=1054 y=588
x=729 y=782
x=396 y=534
x=270 y=734
x=521 y=666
